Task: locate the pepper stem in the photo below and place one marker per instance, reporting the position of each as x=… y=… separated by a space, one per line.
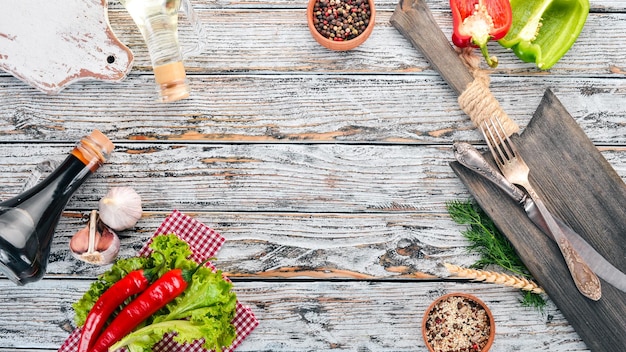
x=188 y=274
x=492 y=61
x=152 y=273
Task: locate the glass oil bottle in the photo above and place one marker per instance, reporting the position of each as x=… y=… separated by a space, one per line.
x=158 y=23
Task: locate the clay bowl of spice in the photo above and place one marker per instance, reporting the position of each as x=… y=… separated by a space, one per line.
x=458 y=322
x=341 y=24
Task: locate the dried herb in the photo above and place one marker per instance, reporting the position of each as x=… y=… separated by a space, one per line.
x=492 y=246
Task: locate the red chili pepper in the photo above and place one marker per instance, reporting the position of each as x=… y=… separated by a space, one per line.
x=476 y=22
x=131 y=284
x=161 y=292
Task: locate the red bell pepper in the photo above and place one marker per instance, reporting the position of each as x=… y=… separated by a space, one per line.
x=476 y=22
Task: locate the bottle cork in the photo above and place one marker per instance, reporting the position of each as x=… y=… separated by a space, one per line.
x=103 y=141
x=171 y=79
x=94 y=149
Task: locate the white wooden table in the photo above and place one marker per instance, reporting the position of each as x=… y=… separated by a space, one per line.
x=327 y=172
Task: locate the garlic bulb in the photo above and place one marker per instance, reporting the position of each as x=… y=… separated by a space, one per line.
x=120 y=208
x=95 y=243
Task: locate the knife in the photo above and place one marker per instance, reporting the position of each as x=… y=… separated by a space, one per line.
x=472 y=159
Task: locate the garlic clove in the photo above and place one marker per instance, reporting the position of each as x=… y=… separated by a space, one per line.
x=95 y=243
x=120 y=208
x=107 y=239
x=79 y=243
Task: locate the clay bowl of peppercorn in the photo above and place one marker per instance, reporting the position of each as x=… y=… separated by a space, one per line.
x=341 y=24
x=458 y=322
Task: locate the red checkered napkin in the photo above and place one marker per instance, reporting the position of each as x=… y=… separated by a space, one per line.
x=204 y=243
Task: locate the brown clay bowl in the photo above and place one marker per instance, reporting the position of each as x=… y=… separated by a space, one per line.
x=340 y=45
x=460 y=306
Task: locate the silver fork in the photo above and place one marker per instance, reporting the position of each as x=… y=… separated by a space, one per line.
x=516 y=171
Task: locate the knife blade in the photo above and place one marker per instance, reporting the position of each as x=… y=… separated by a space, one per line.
x=472 y=159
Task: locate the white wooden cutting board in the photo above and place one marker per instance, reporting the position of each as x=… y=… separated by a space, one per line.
x=52 y=43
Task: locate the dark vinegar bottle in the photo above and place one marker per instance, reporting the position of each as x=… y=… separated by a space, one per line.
x=28 y=221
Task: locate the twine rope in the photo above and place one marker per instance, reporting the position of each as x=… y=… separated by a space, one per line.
x=477 y=101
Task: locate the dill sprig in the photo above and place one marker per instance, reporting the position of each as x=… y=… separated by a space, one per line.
x=532 y=299
x=492 y=246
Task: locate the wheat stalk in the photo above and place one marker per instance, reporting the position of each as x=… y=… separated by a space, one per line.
x=494 y=277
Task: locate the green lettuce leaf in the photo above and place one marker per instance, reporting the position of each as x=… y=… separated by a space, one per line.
x=174 y=251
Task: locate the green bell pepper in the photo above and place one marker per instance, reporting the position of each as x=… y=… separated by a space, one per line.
x=544 y=30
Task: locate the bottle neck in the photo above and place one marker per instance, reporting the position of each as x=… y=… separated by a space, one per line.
x=93 y=150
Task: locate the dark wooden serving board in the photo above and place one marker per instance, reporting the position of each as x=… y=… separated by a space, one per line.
x=581 y=187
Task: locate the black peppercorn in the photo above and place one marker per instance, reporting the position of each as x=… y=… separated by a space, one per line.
x=341 y=20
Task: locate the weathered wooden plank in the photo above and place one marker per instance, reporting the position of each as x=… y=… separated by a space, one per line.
x=306 y=316
x=262 y=40
x=409 y=109
x=327 y=178
x=271 y=40
x=291 y=246
x=258 y=177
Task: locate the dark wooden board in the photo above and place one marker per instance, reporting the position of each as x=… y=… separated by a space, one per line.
x=581 y=187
